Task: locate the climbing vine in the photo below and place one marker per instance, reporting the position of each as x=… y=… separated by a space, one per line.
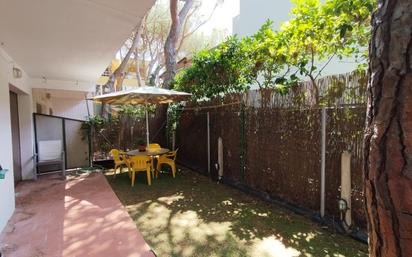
x=302 y=48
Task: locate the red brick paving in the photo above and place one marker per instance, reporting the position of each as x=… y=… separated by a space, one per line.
x=74 y=218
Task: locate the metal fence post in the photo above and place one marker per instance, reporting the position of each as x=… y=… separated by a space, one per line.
x=242 y=142
x=346 y=187
x=323 y=160
x=208 y=142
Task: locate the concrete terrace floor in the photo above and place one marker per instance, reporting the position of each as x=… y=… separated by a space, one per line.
x=77 y=217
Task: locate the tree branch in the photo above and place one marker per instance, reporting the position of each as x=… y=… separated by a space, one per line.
x=119 y=71
x=174 y=32
x=188 y=34
x=326 y=64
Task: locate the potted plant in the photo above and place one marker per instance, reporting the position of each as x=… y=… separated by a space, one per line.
x=141 y=144
x=105 y=148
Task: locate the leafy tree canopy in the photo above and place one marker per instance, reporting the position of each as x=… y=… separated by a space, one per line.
x=316 y=34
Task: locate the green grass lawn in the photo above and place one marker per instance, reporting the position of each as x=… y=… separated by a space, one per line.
x=194 y=216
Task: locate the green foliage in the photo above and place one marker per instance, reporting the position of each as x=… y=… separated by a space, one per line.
x=303 y=47
x=103 y=128
x=140 y=142
x=173 y=114
x=94 y=121
x=318 y=32
x=174 y=111
x=136 y=111
x=221 y=70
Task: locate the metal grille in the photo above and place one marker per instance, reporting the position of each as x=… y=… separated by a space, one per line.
x=75 y=142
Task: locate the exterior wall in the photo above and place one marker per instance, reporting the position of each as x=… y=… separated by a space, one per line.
x=65 y=103
x=71 y=108
x=22 y=87
x=253 y=13
x=68 y=103
x=56 y=52
x=6 y=158
x=26 y=135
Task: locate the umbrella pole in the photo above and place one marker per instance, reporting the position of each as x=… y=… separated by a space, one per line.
x=147 y=126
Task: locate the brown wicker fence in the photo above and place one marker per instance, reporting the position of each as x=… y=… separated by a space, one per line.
x=272 y=142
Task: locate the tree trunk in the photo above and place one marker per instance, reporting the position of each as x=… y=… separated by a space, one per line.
x=138 y=75
x=171 y=40
x=314 y=91
x=153 y=77
x=388 y=135
x=119 y=71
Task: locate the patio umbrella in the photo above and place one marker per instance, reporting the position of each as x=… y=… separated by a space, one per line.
x=143 y=95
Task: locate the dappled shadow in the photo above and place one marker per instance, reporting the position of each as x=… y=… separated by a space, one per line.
x=79 y=216
x=193 y=216
x=36 y=227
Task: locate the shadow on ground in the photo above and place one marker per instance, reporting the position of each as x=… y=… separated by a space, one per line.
x=193 y=216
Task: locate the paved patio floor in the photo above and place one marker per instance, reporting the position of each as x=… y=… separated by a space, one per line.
x=77 y=217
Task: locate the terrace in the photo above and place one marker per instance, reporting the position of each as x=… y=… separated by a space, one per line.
x=185 y=216
x=77 y=217
x=245 y=185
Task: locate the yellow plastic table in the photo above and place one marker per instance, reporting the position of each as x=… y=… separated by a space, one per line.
x=149 y=152
x=152 y=152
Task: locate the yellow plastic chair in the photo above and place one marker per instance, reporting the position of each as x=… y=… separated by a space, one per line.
x=153 y=146
x=168 y=159
x=119 y=158
x=140 y=164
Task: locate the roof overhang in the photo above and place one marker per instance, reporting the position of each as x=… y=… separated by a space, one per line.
x=67 y=39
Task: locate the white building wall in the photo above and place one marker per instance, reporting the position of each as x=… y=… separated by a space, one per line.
x=22 y=87
x=254 y=13
x=68 y=103
x=26 y=135
x=71 y=108
x=55 y=48
x=64 y=103
x=6 y=159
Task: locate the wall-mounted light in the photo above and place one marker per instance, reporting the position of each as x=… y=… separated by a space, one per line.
x=17 y=73
x=44 y=80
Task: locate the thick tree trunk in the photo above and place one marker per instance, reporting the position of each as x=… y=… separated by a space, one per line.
x=171 y=40
x=388 y=135
x=138 y=75
x=119 y=71
x=154 y=76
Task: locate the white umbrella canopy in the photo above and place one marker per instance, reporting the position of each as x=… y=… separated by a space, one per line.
x=143 y=95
